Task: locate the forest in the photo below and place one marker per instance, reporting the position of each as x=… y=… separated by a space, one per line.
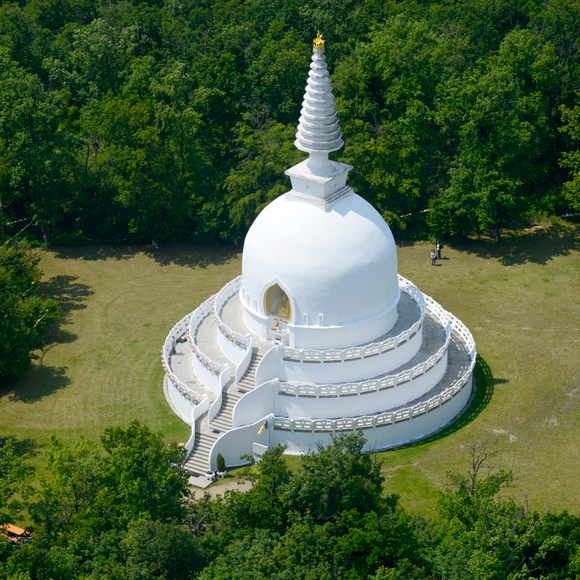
x=167 y=120
x=121 y=509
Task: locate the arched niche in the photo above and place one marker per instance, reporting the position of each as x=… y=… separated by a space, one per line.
x=277 y=303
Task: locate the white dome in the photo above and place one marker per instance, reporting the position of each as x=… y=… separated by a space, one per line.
x=338 y=266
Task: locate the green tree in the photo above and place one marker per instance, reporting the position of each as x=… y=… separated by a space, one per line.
x=152 y=549
x=15 y=477
x=385 y=93
x=264 y=152
x=504 y=133
x=72 y=501
x=24 y=315
x=570 y=159
x=480 y=533
x=34 y=155
x=144 y=474
x=336 y=479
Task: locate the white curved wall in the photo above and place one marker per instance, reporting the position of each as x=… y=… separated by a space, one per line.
x=363 y=404
x=384 y=437
x=238 y=442
x=206 y=377
x=257 y=403
x=180 y=405
x=243 y=365
x=230 y=349
x=269 y=367
x=351 y=370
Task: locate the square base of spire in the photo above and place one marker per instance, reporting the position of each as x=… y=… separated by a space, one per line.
x=324 y=183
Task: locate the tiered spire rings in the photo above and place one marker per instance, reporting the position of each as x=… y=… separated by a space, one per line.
x=318 y=129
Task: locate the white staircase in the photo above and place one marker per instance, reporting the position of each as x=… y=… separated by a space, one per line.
x=197 y=462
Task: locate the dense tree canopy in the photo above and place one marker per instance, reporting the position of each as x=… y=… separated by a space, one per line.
x=24 y=314
x=174 y=120
x=331 y=519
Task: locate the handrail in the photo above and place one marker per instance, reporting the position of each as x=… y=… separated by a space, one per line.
x=196 y=413
x=229 y=290
x=196 y=318
x=381 y=383
x=243 y=365
x=390 y=417
x=176 y=333
x=216 y=406
x=371 y=349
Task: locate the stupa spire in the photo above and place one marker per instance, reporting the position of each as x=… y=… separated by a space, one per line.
x=317 y=179
x=318 y=129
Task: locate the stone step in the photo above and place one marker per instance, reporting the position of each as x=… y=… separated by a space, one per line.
x=204 y=446
x=197 y=469
x=198 y=461
x=198 y=457
x=203 y=457
x=221 y=419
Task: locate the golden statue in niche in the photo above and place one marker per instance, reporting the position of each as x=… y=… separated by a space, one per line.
x=278 y=303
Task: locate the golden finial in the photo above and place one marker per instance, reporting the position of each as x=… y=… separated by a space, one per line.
x=318 y=42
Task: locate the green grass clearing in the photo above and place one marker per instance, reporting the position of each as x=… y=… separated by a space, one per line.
x=518 y=297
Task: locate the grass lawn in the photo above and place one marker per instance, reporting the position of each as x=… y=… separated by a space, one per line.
x=518 y=297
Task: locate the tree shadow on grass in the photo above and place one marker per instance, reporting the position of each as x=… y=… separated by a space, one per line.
x=25 y=448
x=188 y=255
x=70 y=295
x=38 y=382
x=515 y=251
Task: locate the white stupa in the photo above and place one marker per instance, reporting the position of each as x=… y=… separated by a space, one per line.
x=319 y=335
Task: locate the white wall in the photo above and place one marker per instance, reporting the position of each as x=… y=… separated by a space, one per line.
x=351 y=370
x=198 y=411
x=215 y=407
x=257 y=403
x=243 y=365
x=328 y=337
x=269 y=367
x=205 y=376
x=237 y=442
x=313 y=336
x=180 y=405
x=230 y=349
x=363 y=404
x=383 y=437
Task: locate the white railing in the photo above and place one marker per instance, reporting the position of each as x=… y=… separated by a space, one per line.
x=195 y=320
x=243 y=365
x=390 y=417
x=229 y=290
x=372 y=349
x=196 y=413
x=217 y=404
x=168 y=350
x=379 y=383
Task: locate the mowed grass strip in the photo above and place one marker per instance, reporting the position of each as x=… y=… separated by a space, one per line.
x=518 y=297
